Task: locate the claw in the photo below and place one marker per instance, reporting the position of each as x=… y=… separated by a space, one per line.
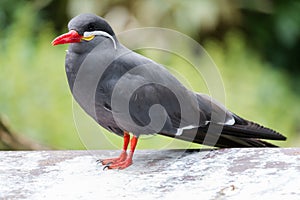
x=109 y=163
x=106 y=166
x=121 y=165
x=121 y=158
x=124 y=160
x=99 y=161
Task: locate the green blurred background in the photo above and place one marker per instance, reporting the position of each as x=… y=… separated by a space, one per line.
x=255 y=44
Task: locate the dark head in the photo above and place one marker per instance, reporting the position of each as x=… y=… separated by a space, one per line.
x=84 y=28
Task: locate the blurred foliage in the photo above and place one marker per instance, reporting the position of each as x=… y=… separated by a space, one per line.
x=275 y=34
x=34 y=92
x=255 y=44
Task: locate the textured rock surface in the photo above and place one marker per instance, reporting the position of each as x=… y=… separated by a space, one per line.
x=167 y=174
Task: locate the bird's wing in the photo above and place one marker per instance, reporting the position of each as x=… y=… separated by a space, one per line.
x=152 y=94
x=145 y=84
x=242 y=133
x=233 y=124
x=235 y=132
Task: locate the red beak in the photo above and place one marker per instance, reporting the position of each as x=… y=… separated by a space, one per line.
x=70 y=37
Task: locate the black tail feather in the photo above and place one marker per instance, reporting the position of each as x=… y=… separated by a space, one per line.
x=248 y=129
x=246 y=134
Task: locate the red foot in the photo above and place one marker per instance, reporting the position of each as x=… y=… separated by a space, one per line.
x=123 y=161
x=119 y=159
x=120 y=165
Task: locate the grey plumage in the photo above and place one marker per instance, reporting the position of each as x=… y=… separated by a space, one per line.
x=103 y=79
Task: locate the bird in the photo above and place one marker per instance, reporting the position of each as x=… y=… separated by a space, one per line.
x=131 y=95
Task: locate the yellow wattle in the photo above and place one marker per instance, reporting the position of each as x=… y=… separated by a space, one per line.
x=88 y=38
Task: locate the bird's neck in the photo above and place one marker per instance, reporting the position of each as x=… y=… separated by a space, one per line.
x=88 y=59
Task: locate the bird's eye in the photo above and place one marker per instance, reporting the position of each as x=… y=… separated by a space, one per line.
x=90 y=27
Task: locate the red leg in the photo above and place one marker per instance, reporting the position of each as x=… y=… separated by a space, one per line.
x=123 y=154
x=128 y=161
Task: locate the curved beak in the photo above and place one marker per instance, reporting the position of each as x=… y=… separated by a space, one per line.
x=70 y=37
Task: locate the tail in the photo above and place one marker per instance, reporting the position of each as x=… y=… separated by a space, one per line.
x=242 y=133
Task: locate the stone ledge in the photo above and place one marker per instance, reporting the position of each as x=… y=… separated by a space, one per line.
x=261 y=173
